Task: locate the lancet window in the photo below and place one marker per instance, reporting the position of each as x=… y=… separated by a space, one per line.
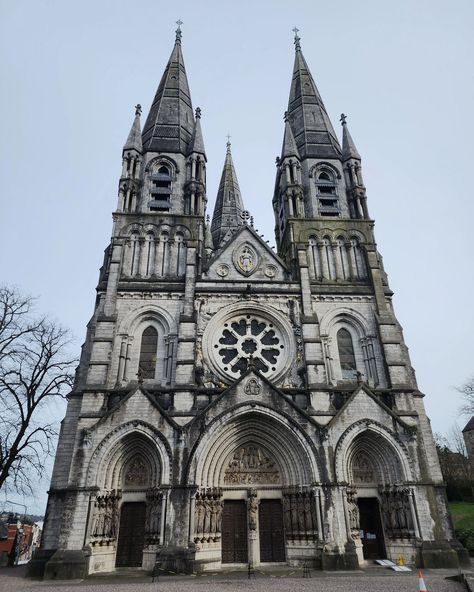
x=160 y=191
x=328 y=200
x=148 y=351
x=346 y=354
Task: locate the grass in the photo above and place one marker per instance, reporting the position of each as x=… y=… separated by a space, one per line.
x=463 y=515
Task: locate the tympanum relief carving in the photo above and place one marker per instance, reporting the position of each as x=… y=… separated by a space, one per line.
x=249 y=465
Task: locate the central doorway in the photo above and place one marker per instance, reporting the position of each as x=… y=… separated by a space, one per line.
x=131 y=537
x=234 y=532
x=270 y=526
x=371 y=533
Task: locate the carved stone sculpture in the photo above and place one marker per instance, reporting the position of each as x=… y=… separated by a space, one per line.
x=249 y=465
x=105 y=517
x=299 y=515
x=208 y=516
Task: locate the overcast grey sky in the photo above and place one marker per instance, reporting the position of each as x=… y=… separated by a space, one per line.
x=72 y=71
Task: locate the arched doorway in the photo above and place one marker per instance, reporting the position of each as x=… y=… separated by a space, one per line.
x=254 y=476
x=127 y=514
x=380 y=506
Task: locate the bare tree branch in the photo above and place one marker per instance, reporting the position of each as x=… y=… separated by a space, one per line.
x=467 y=392
x=34 y=368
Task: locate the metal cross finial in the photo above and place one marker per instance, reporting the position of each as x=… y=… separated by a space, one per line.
x=179 y=22
x=297 y=39
x=228 y=143
x=138 y=109
x=343 y=119
x=285 y=116
x=198 y=112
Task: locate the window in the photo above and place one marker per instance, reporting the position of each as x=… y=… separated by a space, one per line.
x=346 y=354
x=148 y=349
x=160 y=191
x=328 y=201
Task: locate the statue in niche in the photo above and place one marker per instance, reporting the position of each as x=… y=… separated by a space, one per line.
x=252 y=507
x=246 y=262
x=353 y=512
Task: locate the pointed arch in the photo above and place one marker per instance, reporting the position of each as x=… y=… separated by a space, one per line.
x=115 y=452
x=288 y=448
x=386 y=456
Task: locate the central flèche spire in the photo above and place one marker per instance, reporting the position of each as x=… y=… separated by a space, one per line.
x=229 y=205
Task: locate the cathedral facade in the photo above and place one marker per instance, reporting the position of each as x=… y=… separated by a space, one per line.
x=236 y=405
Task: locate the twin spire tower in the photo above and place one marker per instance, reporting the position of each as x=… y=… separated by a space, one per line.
x=173 y=128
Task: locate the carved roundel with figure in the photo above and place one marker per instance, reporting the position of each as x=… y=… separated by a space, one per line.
x=249 y=339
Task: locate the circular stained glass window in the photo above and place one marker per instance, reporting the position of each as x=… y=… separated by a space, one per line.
x=249 y=337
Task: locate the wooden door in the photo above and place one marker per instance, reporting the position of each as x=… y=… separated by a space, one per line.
x=270 y=525
x=234 y=532
x=371 y=531
x=131 y=537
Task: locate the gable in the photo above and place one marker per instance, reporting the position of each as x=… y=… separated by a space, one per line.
x=364 y=405
x=246 y=257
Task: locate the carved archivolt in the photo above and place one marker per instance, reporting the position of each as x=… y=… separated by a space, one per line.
x=369 y=450
x=252 y=428
x=118 y=447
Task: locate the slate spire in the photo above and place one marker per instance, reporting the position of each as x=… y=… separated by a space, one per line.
x=229 y=206
x=134 y=140
x=348 y=147
x=170 y=124
x=309 y=121
x=289 y=147
x=197 y=143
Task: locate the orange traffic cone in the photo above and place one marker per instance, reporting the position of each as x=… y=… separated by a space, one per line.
x=421 y=583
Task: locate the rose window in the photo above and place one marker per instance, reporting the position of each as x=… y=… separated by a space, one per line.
x=249 y=337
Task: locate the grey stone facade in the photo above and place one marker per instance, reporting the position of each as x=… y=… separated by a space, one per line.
x=218 y=376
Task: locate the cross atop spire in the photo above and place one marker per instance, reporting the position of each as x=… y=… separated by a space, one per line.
x=228 y=144
x=179 y=34
x=138 y=109
x=297 y=39
x=343 y=119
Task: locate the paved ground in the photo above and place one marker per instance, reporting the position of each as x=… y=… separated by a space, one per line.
x=371 y=580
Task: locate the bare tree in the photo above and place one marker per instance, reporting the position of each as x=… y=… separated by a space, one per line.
x=34 y=371
x=467 y=392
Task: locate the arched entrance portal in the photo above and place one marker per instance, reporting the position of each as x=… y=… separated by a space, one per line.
x=255 y=501
x=127 y=513
x=380 y=506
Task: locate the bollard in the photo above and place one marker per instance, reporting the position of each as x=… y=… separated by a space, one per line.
x=306 y=569
x=251 y=571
